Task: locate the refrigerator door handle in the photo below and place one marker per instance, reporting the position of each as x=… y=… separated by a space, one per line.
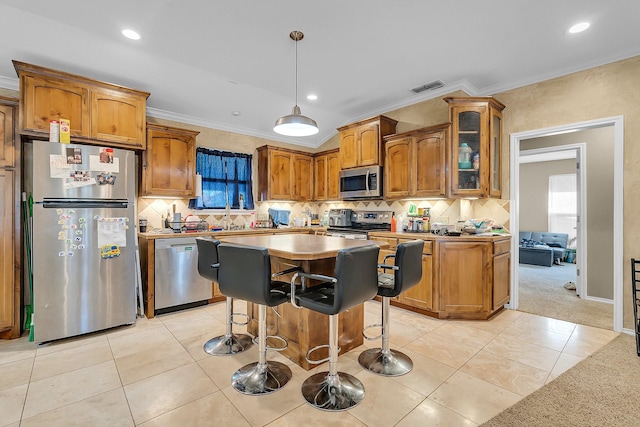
x=87 y=204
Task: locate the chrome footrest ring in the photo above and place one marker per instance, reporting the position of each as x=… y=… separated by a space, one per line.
x=276 y=337
x=318 y=361
x=376 y=325
x=246 y=316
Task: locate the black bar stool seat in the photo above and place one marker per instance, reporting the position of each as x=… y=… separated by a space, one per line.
x=245 y=273
x=407 y=272
x=353 y=283
x=229 y=343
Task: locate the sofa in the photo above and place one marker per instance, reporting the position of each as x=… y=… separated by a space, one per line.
x=542 y=247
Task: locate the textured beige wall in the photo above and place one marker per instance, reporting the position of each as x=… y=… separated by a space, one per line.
x=605 y=91
x=534 y=192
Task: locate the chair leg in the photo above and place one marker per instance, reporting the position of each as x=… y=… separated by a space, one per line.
x=384 y=361
x=333 y=390
x=229 y=343
x=261 y=377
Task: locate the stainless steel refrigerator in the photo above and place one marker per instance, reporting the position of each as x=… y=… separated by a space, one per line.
x=84 y=240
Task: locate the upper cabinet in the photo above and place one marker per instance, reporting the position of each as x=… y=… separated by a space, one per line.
x=416 y=163
x=476 y=146
x=100 y=113
x=169 y=163
x=284 y=174
x=7 y=132
x=327 y=169
x=361 y=142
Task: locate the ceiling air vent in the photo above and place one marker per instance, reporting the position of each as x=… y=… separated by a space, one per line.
x=429 y=86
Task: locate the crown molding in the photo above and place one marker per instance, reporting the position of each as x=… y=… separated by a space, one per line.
x=9 y=83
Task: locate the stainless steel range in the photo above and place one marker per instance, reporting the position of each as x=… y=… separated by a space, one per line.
x=360 y=223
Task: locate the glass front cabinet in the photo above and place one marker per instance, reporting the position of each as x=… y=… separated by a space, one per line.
x=476 y=147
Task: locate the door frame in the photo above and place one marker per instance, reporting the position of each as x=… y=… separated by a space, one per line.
x=618 y=202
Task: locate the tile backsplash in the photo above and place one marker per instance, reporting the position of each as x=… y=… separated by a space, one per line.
x=446 y=211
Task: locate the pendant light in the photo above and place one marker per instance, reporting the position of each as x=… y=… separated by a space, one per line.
x=295 y=124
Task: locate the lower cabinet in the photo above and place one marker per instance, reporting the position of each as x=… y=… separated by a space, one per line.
x=9 y=289
x=466 y=278
x=423 y=295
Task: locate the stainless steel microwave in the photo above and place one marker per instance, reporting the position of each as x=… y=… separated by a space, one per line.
x=361 y=183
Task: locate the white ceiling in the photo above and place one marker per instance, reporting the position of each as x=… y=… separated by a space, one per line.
x=204 y=59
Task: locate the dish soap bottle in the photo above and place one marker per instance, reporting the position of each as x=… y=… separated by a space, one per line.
x=393 y=222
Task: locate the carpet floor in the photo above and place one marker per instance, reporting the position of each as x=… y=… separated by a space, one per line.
x=602 y=390
x=542 y=292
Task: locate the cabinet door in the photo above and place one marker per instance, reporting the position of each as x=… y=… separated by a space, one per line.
x=421 y=295
x=429 y=174
x=333 y=176
x=495 y=153
x=46 y=99
x=320 y=178
x=280 y=175
x=169 y=163
x=7 y=136
x=302 y=178
x=348 y=149
x=470 y=128
x=368 y=141
x=501 y=280
x=465 y=277
x=7 y=273
x=397 y=170
x=118 y=117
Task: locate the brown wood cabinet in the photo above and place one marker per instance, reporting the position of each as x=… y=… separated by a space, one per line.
x=284 y=174
x=10 y=223
x=361 y=142
x=416 y=163
x=326 y=171
x=302 y=177
x=476 y=122
x=169 y=163
x=462 y=277
x=7 y=135
x=100 y=113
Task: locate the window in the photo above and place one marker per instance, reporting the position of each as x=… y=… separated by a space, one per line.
x=563 y=204
x=226 y=177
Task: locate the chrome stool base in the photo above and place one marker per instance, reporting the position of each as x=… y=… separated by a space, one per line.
x=226 y=345
x=261 y=378
x=337 y=392
x=391 y=363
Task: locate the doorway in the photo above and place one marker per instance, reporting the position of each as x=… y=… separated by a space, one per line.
x=615 y=264
x=555 y=210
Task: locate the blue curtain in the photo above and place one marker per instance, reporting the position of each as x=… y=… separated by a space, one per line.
x=223 y=174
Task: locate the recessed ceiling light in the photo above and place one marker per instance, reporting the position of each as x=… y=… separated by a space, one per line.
x=130 y=34
x=312 y=97
x=579 y=27
x=236 y=113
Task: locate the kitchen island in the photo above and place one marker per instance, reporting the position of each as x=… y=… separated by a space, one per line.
x=146 y=244
x=302 y=328
x=463 y=277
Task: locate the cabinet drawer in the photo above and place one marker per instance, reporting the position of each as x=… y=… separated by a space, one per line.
x=501 y=247
x=392 y=242
x=426 y=250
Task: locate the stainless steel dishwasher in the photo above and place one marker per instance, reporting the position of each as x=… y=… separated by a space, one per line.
x=177 y=281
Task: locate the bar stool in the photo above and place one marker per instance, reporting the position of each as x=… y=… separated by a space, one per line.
x=353 y=283
x=229 y=343
x=245 y=273
x=407 y=272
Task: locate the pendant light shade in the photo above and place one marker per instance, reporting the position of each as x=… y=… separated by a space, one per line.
x=295 y=124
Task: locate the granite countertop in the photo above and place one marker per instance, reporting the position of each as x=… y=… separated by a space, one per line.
x=251 y=231
x=430 y=236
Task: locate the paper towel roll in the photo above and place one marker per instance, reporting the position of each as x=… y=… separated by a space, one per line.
x=198 y=185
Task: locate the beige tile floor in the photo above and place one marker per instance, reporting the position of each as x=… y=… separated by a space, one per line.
x=155 y=373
